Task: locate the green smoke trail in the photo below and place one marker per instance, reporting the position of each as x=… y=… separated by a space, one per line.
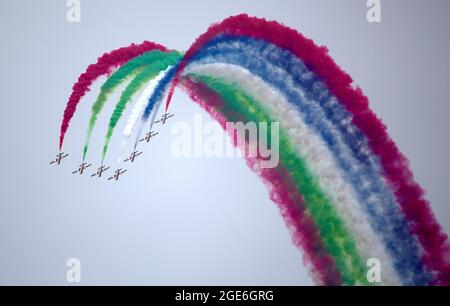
x=336 y=238
x=148 y=73
x=125 y=72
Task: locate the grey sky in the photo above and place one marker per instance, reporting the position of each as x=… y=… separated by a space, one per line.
x=189 y=221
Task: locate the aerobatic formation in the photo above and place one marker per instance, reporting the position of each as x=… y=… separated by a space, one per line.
x=345 y=191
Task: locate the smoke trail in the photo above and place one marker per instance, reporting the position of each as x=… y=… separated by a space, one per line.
x=333 y=108
x=337 y=239
x=304 y=233
x=124 y=73
x=105 y=64
x=386 y=218
x=409 y=195
x=315 y=153
x=135 y=85
x=139 y=106
x=155 y=98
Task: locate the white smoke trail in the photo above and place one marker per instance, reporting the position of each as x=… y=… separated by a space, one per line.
x=140 y=104
x=377 y=199
x=138 y=109
x=320 y=160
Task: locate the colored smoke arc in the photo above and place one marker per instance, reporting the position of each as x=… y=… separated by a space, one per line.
x=344 y=190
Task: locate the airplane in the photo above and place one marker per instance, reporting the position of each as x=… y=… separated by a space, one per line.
x=133 y=156
x=81 y=168
x=100 y=171
x=58 y=158
x=116 y=175
x=164 y=118
x=148 y=136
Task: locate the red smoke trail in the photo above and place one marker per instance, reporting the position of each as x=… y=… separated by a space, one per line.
x=105 y=65
x=409 y=194
x=283 y=192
